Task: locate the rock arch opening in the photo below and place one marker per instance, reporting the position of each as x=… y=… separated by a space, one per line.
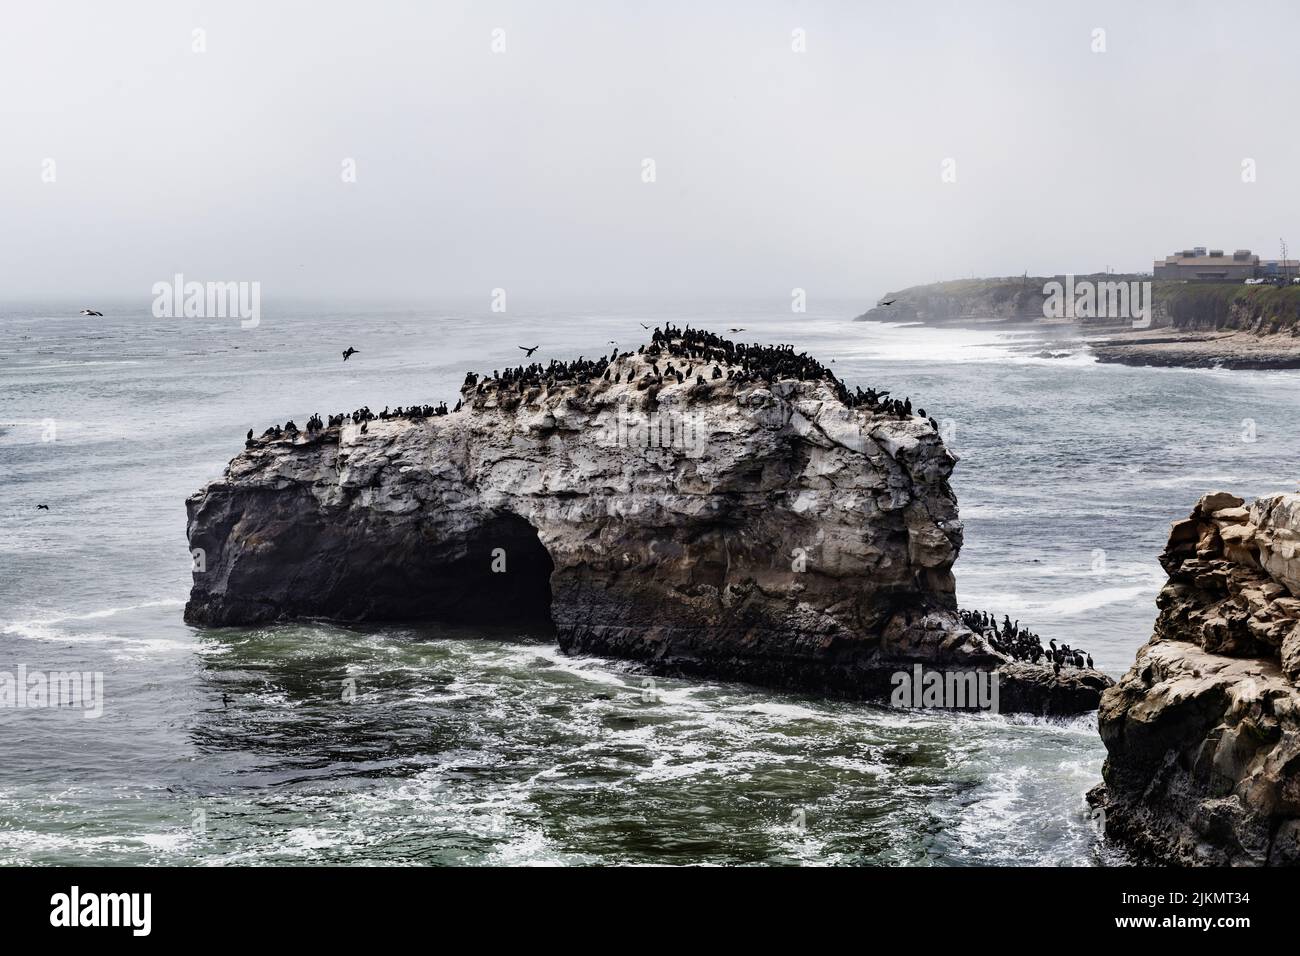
x=502 y=576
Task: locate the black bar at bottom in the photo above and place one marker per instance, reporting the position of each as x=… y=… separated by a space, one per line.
x=331 y=906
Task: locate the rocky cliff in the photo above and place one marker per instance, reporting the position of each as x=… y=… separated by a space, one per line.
x=1016 y=298
x=719 y=523
x=1203 y=733
x=1261 y=310
x=1192 y=324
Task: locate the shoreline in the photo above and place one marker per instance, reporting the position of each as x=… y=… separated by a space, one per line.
x=1170 y=348
x=1158 y=347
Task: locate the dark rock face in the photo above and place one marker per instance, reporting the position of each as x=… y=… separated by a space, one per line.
x=298 y=557
x=1203 y=733
x=758 y=531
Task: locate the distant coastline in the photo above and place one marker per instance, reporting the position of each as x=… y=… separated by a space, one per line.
x=1192 y=324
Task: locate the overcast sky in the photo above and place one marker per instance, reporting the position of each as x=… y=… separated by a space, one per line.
x=523 y=169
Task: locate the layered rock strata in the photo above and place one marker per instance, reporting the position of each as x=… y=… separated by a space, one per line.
x=1203 y=732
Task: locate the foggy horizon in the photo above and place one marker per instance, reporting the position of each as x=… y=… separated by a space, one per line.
x=523 y=168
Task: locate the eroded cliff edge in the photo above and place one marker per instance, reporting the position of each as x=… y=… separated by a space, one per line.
x=764 y=530
x=1203 y=733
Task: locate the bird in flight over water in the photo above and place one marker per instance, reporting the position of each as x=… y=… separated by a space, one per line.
x=528 y=352
x=42 y=507
x=349 y=353
x=91 y=312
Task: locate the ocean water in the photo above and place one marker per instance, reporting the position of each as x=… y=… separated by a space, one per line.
x=479 y=746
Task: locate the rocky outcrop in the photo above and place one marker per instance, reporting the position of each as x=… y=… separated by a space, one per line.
x=764 y=531
x=1171 y=348
x=1203 y=733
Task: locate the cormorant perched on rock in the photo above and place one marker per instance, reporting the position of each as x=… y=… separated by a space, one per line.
x=364 y=427
x=1090 y=667
x=249 y=436
x=349 y=352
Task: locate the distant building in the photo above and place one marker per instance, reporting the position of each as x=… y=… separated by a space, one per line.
x=1278 y=269
x=1212 y=266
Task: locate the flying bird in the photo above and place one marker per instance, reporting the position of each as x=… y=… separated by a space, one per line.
x=528 y=352
x=644 y=326
x=91 y=312
x=888 y=301
x=349 y=352
x=42 y=507
x=736 y=330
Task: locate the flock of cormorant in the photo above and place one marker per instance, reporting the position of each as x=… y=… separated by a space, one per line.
x=361 y=416
x=1022 y=644
x=674 y=354
x=684 y=354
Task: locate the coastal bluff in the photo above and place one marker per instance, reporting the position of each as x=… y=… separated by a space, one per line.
x=1192 y=324
x=715 y=520
x=1203 y=732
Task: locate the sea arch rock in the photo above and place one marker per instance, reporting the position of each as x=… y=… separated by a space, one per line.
x=732 y=527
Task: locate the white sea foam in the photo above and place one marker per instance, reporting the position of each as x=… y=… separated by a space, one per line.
x=92 y=615
x=910 y=342
x=1013 y=603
